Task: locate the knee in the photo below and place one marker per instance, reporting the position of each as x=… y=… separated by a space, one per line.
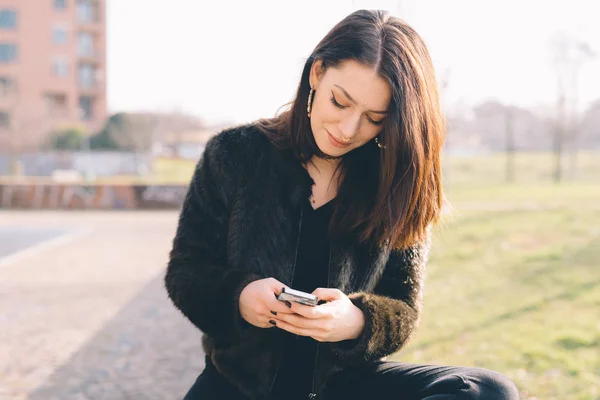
x=489 y=385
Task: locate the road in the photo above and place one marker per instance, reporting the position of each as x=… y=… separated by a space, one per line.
x=83 y=310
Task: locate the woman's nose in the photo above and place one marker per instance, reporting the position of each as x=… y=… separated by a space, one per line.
x=349 y=126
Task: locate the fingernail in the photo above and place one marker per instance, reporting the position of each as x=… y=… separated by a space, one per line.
x=287 y=303
x=274 y=312
x=272 y=322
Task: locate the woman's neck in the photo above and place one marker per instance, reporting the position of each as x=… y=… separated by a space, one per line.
x=324 y=174
x=325 y=167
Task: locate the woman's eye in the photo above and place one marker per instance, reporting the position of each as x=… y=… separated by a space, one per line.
x=335 y=103
x=338 y=105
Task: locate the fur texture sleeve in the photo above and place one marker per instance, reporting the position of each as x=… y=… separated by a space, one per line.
x=198 y=280
x=392 y=311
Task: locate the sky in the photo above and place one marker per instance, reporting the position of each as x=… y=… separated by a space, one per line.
x=236 y=61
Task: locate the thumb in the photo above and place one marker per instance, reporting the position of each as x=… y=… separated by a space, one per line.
x=327 y=294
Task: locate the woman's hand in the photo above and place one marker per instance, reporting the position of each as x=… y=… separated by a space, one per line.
x=338 y=319
x=258 y=302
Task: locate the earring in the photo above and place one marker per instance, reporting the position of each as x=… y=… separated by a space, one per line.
x=310 y=96
x=379 y=143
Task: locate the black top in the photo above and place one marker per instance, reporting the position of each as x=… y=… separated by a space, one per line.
x=294 y=379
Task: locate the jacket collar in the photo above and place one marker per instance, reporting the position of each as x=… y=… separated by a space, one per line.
x=296 y=181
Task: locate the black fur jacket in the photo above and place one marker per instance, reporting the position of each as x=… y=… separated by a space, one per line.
x=239 y=223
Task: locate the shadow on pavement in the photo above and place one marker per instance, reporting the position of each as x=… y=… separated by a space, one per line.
x=149 y=350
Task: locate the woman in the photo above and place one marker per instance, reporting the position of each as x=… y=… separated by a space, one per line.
x=334 y=197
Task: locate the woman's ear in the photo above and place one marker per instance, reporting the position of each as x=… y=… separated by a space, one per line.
x=316 y=73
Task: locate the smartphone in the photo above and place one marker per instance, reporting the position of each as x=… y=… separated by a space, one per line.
x=297 y=296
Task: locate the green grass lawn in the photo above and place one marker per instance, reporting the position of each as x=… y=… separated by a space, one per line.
x=529 y=168
x=513 y=285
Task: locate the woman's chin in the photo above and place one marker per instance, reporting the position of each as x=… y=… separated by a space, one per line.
x=328 y=150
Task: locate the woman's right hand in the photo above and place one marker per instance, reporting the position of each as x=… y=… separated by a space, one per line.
x=258 y=300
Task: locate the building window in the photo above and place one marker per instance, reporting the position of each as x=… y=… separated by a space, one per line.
x=8 y=52
x=85 y=44
x=86 y=11
x=60 y=67
x=87 y=76
x=56 y=104
x=8 y=19
x=4 y=119
x=86 y=107
x=60 y=4
x=59 y=35
x=7 y=86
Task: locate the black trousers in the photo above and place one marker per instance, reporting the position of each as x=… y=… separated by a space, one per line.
x=383 y=380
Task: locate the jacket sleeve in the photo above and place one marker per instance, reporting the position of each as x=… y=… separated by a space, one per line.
x=392 y=311
x=198 y=279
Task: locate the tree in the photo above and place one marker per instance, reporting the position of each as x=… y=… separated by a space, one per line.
x=499 y=121
x=568 y=55
x=68 y=139
x=508 y=128
x=139 y=132
x=103 y=141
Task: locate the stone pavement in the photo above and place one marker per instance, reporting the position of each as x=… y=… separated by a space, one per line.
x=86 y=316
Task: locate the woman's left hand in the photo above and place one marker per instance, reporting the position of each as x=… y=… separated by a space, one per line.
x=338 y=319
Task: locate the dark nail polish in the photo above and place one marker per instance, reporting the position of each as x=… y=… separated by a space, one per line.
x=272 y=322
x=274 y=312
x=287 y=303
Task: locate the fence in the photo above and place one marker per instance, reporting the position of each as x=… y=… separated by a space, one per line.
x=95 y=163
x=97 y=197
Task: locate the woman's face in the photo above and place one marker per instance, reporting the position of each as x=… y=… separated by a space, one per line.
x=348 y=107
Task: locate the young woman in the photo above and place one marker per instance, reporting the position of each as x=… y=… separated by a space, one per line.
x=335 y=197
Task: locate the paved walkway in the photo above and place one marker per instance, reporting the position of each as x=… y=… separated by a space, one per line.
x=83 y=310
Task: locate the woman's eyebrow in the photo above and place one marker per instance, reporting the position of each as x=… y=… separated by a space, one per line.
x=354 y=101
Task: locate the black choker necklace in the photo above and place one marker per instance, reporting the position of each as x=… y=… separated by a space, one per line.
x=324 y=156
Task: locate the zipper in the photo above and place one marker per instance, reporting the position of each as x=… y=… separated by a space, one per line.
x=313 y=394
x=291 y=282
x=297 y=245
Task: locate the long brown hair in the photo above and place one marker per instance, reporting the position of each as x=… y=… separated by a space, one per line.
x=390 y=195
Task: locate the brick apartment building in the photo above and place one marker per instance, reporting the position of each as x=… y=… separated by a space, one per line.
x=52 y=69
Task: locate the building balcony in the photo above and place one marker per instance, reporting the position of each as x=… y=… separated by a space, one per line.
x=91 y=27
x=90 y=57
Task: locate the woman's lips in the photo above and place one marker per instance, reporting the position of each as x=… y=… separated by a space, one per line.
x=336 y=142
